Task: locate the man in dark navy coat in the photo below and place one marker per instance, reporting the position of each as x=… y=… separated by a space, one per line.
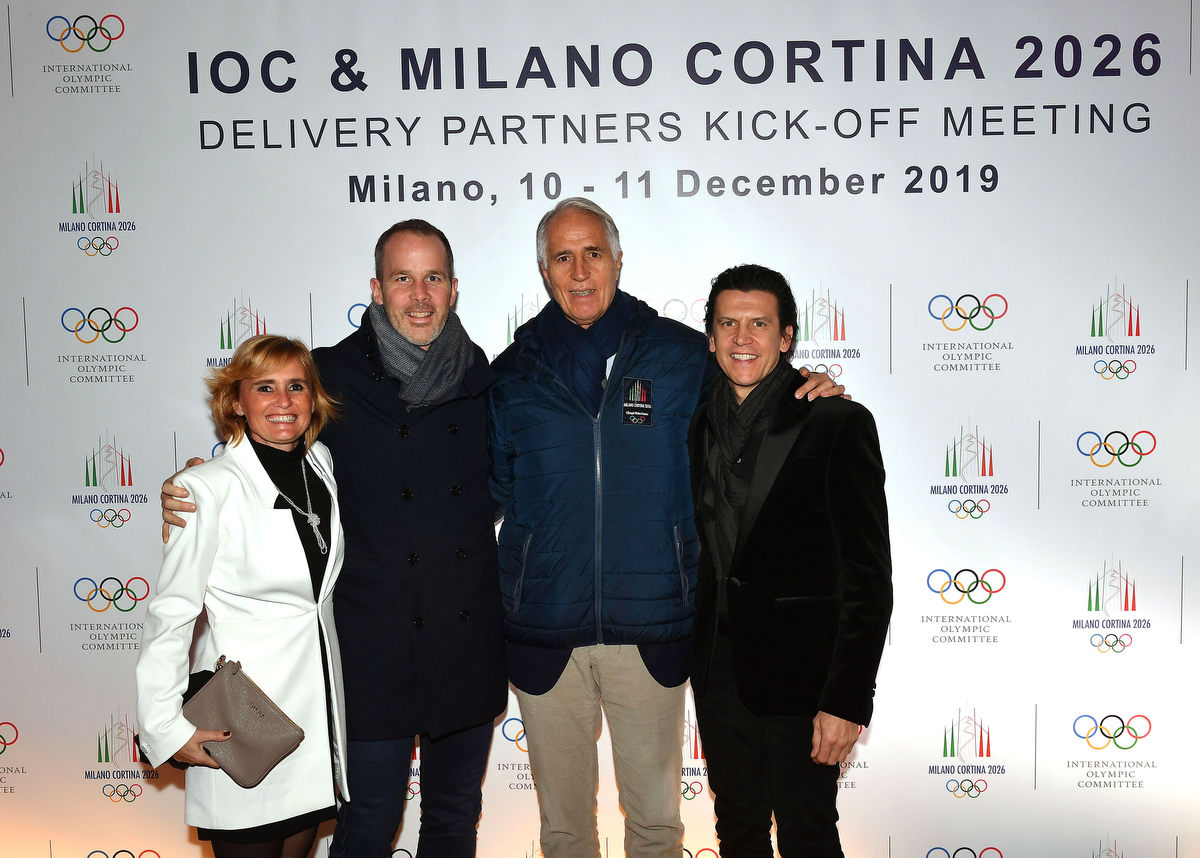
x=786 y=643
x=417 y=605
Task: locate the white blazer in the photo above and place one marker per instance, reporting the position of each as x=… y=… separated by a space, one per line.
x=241 y=562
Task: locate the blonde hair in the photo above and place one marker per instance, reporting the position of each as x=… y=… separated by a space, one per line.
x=255 y=358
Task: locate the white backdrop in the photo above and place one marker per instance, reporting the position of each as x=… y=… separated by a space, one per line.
x=198 y=172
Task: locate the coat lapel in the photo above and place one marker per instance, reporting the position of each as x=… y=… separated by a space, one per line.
x=783 y=429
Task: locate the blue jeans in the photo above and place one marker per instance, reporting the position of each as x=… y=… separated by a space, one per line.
x=452 y=770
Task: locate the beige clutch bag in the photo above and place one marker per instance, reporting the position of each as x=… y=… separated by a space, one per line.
x=262 y=734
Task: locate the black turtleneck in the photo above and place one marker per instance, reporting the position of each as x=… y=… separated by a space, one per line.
x=283 y=467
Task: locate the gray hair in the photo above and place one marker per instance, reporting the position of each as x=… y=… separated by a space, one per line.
x=582 y=204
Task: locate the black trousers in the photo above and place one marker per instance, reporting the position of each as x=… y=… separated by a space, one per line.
x=760 y=765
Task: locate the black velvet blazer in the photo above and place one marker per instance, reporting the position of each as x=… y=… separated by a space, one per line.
x=810 y=591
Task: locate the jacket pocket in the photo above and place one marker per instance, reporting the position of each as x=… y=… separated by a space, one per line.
x=521 y=577
x=679 y=565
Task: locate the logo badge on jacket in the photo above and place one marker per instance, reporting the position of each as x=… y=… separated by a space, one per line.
x=637 y=401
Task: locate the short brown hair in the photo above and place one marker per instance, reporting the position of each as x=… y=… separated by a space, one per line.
x=417 y=227
x=255 y=358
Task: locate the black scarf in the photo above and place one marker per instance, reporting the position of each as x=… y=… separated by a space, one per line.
x=579 y=356
x=427 y=376
x=733 y=429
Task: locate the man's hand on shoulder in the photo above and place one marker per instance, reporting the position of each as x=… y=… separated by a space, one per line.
x=819 y=384
x=172 y=499
x=833 y=738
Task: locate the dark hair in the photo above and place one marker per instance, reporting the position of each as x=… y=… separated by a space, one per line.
x=755 y=278
x=417 y=227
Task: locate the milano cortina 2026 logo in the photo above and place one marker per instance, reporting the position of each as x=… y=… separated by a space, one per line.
x=236 y=325
x=968 y=489
x=1112 y=622
x=1117 y=344
x=98 y=222
x=968 y=767
x=119 y=767
x=108 y=482
x=821 y=335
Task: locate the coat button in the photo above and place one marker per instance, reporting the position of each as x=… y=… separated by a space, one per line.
x=403 y=430
x=377 y=375
x=464 y=615
x=418 y=621
x=414 y=559
x=407 y=494
x=452 y=428
x=460 y=553
x=456 y=490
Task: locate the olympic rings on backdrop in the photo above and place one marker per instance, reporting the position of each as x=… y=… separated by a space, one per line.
x=354 y=323
x=99 y=329
x=145 y=853
x=966 y=788
x=414 y=790
x=965 y=591
x=969 y=508
x=4 y=740
x=404 y=853
x=1115 y=369
x=699 y=854
x=1117 y=450
x=685 y=313
x=110 y=517
x=964 y=852
x=121 y=792
x=86 y=37
x=97 y=246
x=1111 y=642
x=833 y=370
x=518 y=737
x=690 y=790
x=1112 y=728
x=987 y=308
x=112 y=595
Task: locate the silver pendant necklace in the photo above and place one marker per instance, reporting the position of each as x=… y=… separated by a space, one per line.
x=314 y=520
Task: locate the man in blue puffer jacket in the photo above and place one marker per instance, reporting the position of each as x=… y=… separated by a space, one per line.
x=598 y=551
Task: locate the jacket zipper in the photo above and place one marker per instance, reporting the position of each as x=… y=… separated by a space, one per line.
x=521 y=578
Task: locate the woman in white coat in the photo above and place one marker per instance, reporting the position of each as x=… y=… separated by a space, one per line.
x=255 y=569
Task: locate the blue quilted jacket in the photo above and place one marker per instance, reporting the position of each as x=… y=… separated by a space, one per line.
x=599 y=542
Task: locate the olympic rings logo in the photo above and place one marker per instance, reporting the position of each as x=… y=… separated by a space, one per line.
x=966 y=788
x=833 y=370
x=1112 y=728
x=963 y=852
x=94 y=32
x=690 y=790
x=1117 y=451
x=414 y=790
x=1112 y=642
x=99 y=328
x=121 y=852
x=112 y=596
x=121 y=792
x=518 y=737
x=402 y=852
x=350 y=314
x=978 y=582
x=110 y=517
x=969 y=508
x=637 y=419
x=4 y=740
x=690 y=854
x=1115 y=369
x=968 y=314
x=685 y=312
x=97 y=246
x=1 y=457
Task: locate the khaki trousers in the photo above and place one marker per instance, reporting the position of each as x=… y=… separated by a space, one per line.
x=645 y=723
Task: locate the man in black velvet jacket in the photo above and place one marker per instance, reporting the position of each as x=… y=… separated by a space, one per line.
x=786 y=644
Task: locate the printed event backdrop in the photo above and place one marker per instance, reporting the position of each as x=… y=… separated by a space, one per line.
x=988 y=215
